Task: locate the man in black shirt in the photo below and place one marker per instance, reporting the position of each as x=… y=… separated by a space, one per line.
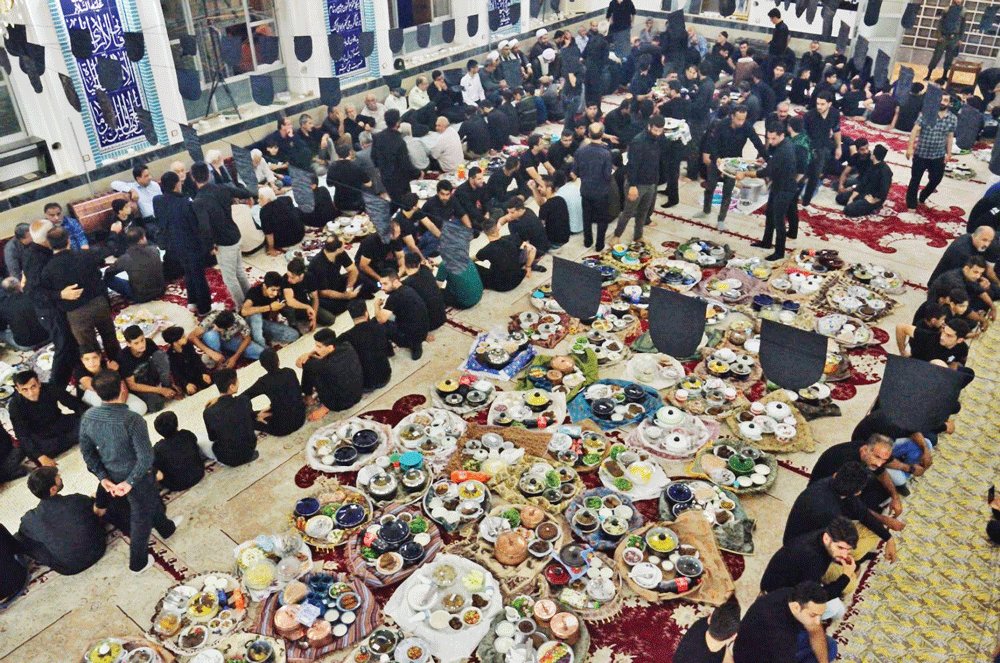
x=371 y=342
x=349 y=181
x=838 y=495
x=404 y=314
x=331 y=374
x=473 y=197
x=875 y=453
x=176 y=457
x=186 y=364
x=509 y=262
x=335 y=278
x=231 y=422
x=261 y=308
x=823 y=556
x=726 y=140
x=812 y=60
x=782 y=171
x=62 y=532
x=284 y=394
x=375 y=255
x=392 y=157
x=17 y=313
x=823 y=126
x=499 y=182
x=643 y=174
x=280 y=221
x=978 y=241
x=146 y=370
x=872 y=188
x=946 y=347
x=785 y=626
x=475 y=132
x=909 y=109
x=42 y=429
x=971 y=277
x=779 y=38
x=421 y=278
x=710 y=639
x=524 y=225
x=437 y=210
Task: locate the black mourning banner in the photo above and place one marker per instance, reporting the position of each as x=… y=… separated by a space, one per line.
x=303 y=48
x=860 y=52
x=917 y=395
x=135 y=45
x=932 y=103
x=675 y=26
x=17 y=39
x=81 y=44
x=872 y=12
x=107 y=109
x=329 y=91
x=379 y=210
x=903 y=83
x=302 y=189
x=245 y=169
x=676 y=322
x=110 y=74
x=844 y=36
x=727 y=7
x=396 y=40
x=145 y=119
x=448 y=31
x=493 y=17
x=910 y=15
x=32 y=60
x=366 y=40
x=336 y=44
x=267 y=49
x=192 y=143
x=576 y=287
x=881 y=68
x=231 y=50
x=393 y=81
x=471 y=26
x=262 y=89
x=189 y=84
x=71 y=96
x=189 y=45
x=423 y=35
x=800 y=7
x=534 y=8
x=811 y=8
x=792 y=358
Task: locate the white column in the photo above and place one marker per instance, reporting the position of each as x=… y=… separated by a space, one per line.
x=296 y=18
x=161 y=59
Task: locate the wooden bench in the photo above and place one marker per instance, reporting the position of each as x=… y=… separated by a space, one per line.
x=94 y=214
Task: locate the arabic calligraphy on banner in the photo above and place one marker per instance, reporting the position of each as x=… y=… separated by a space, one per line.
x=104 y=20
x=502 y=7
x=345 y=20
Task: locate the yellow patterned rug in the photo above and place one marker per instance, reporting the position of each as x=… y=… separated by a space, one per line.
x=936 y=604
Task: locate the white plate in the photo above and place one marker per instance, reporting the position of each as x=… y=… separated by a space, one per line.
x=646 y=575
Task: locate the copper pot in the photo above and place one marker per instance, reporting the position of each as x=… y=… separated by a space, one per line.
x=320 y=634
x=286 y=623
x=566 y=627
x=531 y=516
x=510 y=549
x=554 y=376
x=544 y=611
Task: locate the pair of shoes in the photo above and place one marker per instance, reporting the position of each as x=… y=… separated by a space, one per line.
x=417 y=352
x=701 y=214
x=903 y=490
x=669 y=204
x=762 y=245
x=149 y=564
x=539 y=268
x=775 y=256
x=794 y=235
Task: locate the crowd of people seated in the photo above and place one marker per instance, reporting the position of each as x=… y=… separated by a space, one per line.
x=602 y=169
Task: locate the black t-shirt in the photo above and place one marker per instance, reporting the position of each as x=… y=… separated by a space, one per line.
x=180 y=460
x=282 y=219
x=438 y=211
x=426 y=286
x=140 y=367
x=18 y=313
x=926 y=345
x=13 y=574
x=529 y=229
x=473 y=201
x=505 y=272
x=337 y=378
x=257 y=297
x=852 y=103
x=769 y=631
x=347 y=178
x=302 y=290
x=411 y=312
x=371 y=342
x=555 y=214
x=327 y=275
x=377 y=251
x=288 y=410
x=693 y=649
x=187 y=366
x=409 y=226
x=528 y=160
x=834 y=458
x=230 y=425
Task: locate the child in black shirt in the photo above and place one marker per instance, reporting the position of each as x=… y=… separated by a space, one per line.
x=185 y=362
x=176 y=457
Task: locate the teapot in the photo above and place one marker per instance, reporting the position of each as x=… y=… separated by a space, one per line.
x=750 y=430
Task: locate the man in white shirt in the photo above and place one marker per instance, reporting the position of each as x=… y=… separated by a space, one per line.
x=142 y=190
x=374 y=110
x=447 y=151
x=418 y=96
x=472 y=87
x=420 y=156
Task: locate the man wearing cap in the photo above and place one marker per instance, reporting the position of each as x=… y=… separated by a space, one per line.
x=510 y=65
x=545 y=64
x=872 y=188
x=472 y=88
x=541 y=43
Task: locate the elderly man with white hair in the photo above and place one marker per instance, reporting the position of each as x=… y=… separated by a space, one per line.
x=261 y=168
x=420 y=156
x=217 y=168
x=981 y=241
x=447 y=150
x=187 y=184
x=375 y=110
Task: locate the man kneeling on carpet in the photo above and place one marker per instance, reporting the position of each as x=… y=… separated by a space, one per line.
x=331 y=374
x=869 y=194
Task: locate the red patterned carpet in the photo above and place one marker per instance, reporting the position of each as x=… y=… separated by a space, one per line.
x=855 y=129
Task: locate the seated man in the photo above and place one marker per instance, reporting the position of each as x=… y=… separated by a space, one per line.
x=839 y=495
x=951 y=304
x=437 y=211
x=524 y=225
x=22 y=329
x=335 y=278
x=350 y=181
x=77 y=239
x=231 y=422
x=225 y=337
x=13 y=571
x=42 y=429
x=499 y=183
x=371 y=341
x=970 y=276
x=177 y=457
x=280 y=220
x=143 y=269
x=302 y=297
x=62 y=532
x=331 y=374
x=981 y=241
x=509 y=261
x=872 y=187
x=284 y=394
x=473 y=197
x=946 y=346
x=875 y=453
x=261 y=308
x=823 y=556
x=710 y=638
x=92 y=362
x=146 y=370
x=420 y=277
x=462 y=286
x=785 y=626
x=10 y=458
x=376 y=255
x=404 y=314
x=409 y=218
x=186 y=364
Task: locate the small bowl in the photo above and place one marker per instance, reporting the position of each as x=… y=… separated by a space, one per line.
x=307 y=507
x=345 y=455
x=689 y=566
x=679 y=493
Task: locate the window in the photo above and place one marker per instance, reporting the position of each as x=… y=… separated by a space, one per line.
x=409 y=13
x=981 y=46
x=209 y=21
x=11 y=127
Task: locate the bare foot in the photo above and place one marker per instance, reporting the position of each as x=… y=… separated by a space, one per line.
x=318 y=413
x=430 y=338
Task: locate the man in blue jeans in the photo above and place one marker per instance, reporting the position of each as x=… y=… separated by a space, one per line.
x=261 y=308
x=224 y=337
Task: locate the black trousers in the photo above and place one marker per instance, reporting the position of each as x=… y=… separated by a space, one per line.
x=198 y=293
x=595 y=217
x=817 y=168
x=935 y=170
x=728 y=184
x=675 y=153
x=693 y=149
x=779 y=204
x=147 y=513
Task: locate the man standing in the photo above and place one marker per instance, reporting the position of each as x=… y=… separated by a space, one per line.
x=726 y=140
x=179 y=227
x=592 y=165
x=929 y=149
x=951 y=27
x=822 y=124
x=642 y=177
x=115 y=445
x=620 y=13
x=781 y=170
x=779 y=38
x=392 y=158
x=213 y=205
